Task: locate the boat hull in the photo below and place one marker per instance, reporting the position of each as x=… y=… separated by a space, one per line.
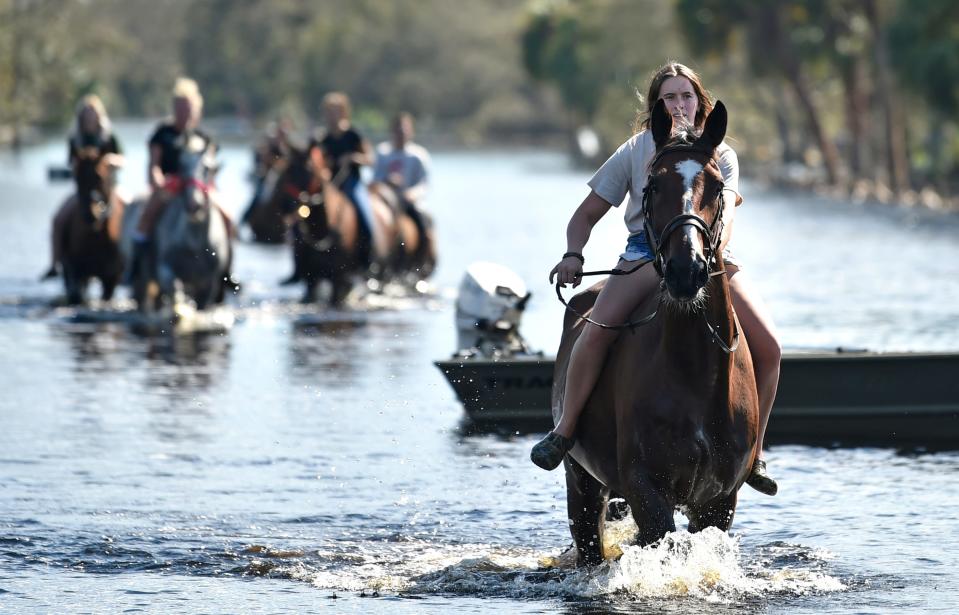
x=899 y=399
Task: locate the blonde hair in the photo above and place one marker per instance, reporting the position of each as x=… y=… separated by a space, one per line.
x=664 y=72
x=338 y=99
x=188 y=89
x=92 y=101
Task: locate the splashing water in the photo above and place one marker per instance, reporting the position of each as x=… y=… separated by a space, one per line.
x=706 y=566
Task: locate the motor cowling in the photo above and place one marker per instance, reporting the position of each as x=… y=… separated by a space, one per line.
x=489 y=308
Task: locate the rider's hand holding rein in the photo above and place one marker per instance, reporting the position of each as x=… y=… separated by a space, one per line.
x=568 y=271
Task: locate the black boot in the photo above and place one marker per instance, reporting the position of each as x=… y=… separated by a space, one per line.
x=760 y=481
x=549 y=452
x=51 y=273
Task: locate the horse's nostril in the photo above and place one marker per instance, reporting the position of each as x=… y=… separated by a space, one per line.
x=703 y=276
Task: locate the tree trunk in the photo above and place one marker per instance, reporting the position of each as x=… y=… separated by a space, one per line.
x=768 y=19
x=857 y=110
x=897 y=164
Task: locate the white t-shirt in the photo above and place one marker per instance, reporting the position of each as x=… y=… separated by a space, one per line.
x=412 y=163
x=626 y=172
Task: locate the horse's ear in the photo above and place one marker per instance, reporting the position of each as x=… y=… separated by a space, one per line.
x=661 y=122
x=714 y=130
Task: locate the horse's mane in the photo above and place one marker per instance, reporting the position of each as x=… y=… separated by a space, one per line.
x=683 y=135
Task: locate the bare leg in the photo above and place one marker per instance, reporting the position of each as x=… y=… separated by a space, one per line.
x=152 y=211
x=760 y=331
x=613 y=306
x=764 y=346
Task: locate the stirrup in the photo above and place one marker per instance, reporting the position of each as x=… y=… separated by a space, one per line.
x=759 y=480
x=549 y=452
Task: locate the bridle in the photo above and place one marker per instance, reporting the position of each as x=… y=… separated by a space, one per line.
x=711 y=232
x=96 y=198
x=310 y=197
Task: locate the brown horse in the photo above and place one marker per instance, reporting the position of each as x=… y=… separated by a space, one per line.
x=326 y=231
x=265 y=216
x=90 y=240
x=672 y=422
x=414 y=258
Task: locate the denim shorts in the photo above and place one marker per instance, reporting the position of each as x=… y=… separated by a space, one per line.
x=638 y=249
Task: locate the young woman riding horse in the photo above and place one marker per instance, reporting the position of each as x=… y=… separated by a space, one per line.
x=674 y=418
x=326 y=229
x=626 y=172
x=168 y=142
x=92 y=130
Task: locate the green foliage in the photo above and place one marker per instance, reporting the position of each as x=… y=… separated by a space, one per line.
x=444 y=61
x=930 y=69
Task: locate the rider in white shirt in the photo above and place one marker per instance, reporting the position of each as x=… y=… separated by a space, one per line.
x=401 y=163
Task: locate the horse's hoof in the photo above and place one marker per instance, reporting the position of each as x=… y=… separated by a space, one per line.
x=759 y=480
x=549 y=452
x=294 y=278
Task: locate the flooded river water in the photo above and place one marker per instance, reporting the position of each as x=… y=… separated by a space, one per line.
x=307 y=460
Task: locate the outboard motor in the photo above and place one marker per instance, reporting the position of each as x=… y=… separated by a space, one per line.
x=488 y=311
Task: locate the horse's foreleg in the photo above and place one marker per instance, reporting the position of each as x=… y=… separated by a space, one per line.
x=718 y=513
x=651 y=511
x=73 y=285
x=108 y=284
x=586 y=505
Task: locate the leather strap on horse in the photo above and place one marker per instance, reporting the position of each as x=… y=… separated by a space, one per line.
x=632 y=324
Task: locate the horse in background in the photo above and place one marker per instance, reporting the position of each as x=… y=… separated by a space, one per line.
x=192 y=241
x=326 y=231
x=324 y=224
x=89 y=243
x=265 y=215
x=673 y=420
x=415 y=257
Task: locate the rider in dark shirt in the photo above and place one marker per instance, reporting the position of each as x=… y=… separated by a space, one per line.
x=272 y=148
x=346 y=152
x=171 y=139
x=92 y=130
x=166 y=144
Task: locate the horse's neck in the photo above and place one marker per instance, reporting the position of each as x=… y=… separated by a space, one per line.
x=689 y=344
x=333 y=203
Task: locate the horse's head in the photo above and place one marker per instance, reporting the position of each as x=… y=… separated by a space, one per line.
x=683 y=204
x=302 y=182
x=198 y=168
x=93 y=174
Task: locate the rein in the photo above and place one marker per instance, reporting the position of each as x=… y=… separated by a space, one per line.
x=176 y=185
x=711 y=232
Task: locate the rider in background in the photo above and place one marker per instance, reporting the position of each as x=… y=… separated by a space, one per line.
x=346 y=152
x=92 y=129
x=401 y=163
x=171 y=137
x=272 y=148
x=626 y=172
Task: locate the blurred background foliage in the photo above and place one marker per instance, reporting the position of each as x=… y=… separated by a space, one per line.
x=858 y=95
